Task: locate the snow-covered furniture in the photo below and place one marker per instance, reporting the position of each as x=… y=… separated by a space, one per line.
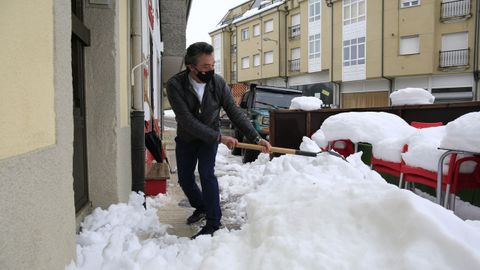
x=386 y=154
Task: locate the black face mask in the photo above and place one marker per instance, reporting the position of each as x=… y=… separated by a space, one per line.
x=205 y=77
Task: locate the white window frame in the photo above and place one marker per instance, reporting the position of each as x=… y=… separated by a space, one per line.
x=268 y=58
x=256 y=30
x=295 y=51
x=403 y=50
x=353 y=11
x=354 y=52
x=256 y=60
x=295 y=19
x=245 y=35
x=245 y=62
x=314 y=7
x=268 y=26
x=314 y=46
x=409 y=3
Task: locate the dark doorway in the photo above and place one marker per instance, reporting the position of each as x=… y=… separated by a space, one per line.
x=80 y=39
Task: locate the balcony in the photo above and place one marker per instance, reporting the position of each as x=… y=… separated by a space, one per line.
x=233 y=77
x=455 y=59
x=233 y=48
x=455 y=10
x=294 y=65
x=294 y=31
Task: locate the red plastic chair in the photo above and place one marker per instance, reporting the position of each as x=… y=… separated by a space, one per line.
x=425 y=124
x=394 y=168
x=343 y=147
x=452 y=182
x=389 y=167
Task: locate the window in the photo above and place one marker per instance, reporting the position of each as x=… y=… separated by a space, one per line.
x=256 y=60
x=353 y=11
x=295 y=59
x=217 y=45
x=245 y=34
x=313 y=10
x=295 y=53
x=268 y=57
x=409 y=3
x=256 y=30
x=268 y=26
x=296 y=19
x=409 y=45
x=314 y=46
x=354 y=52
x=295 y=28
x=245 y=62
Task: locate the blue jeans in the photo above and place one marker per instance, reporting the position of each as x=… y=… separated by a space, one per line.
x=207 y=199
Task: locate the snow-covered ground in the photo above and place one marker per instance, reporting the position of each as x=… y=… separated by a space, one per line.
x=293 y=212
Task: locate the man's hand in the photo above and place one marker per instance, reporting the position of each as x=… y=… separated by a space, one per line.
x=230 y=142
x=266 y=146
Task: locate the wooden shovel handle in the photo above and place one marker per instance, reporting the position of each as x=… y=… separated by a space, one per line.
x=273 y=149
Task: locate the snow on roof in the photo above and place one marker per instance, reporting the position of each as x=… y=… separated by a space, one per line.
x=463 y=133
x=255 y=11
x=410 y=96
x=248 y=14
x=369 y=127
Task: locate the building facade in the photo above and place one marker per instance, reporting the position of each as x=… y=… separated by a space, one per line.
x=353 y=53
x=73 y=75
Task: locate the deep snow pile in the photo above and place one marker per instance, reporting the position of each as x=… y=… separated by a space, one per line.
x=463 y=133
x=301 y=213
x=306 y=103
x=368 y=127
x=411 y=96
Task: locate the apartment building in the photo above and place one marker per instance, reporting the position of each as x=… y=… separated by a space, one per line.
x=73 y=85
x=352 y=53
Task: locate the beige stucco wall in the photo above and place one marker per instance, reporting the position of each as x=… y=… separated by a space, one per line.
x=337 y=41
x=124 y=48
x=37 y=213
x=256 y=45
x=324 y=35
x=374 y=39
x=399 y=22
x=27 y=112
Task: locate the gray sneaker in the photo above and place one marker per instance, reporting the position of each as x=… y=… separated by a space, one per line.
x=196 y=216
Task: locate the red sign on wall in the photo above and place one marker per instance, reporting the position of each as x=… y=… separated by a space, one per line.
x=151 y=17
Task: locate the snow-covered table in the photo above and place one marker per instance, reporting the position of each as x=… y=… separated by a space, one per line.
x=440 y=172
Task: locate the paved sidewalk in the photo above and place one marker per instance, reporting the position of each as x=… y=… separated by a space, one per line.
x=172 y=213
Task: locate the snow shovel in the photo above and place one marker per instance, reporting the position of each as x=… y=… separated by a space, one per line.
x=282 y=150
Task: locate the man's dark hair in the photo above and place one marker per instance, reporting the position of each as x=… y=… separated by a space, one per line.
x=195 y=50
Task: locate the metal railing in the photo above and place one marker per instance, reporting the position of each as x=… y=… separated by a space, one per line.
x=294 y=65
x=454 y=58
x=294 y=31
x=455 y=9
x=233 y=76
x=233 y=48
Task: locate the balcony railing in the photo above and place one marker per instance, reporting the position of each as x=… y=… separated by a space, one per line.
x=294 y=65
x=454 y=58
x=294 y=31
x=455 y=10
x=233 y=76
x=233 y=48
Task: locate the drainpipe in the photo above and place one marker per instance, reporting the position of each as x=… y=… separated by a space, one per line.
x=336 y=85
x=287 y=11
x=475 y=50
x=137 y=114
x=390 y=80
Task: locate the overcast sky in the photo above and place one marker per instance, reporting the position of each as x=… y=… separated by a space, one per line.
x=204 y=16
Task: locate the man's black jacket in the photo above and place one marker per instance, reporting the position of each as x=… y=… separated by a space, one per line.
x=197 y=121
